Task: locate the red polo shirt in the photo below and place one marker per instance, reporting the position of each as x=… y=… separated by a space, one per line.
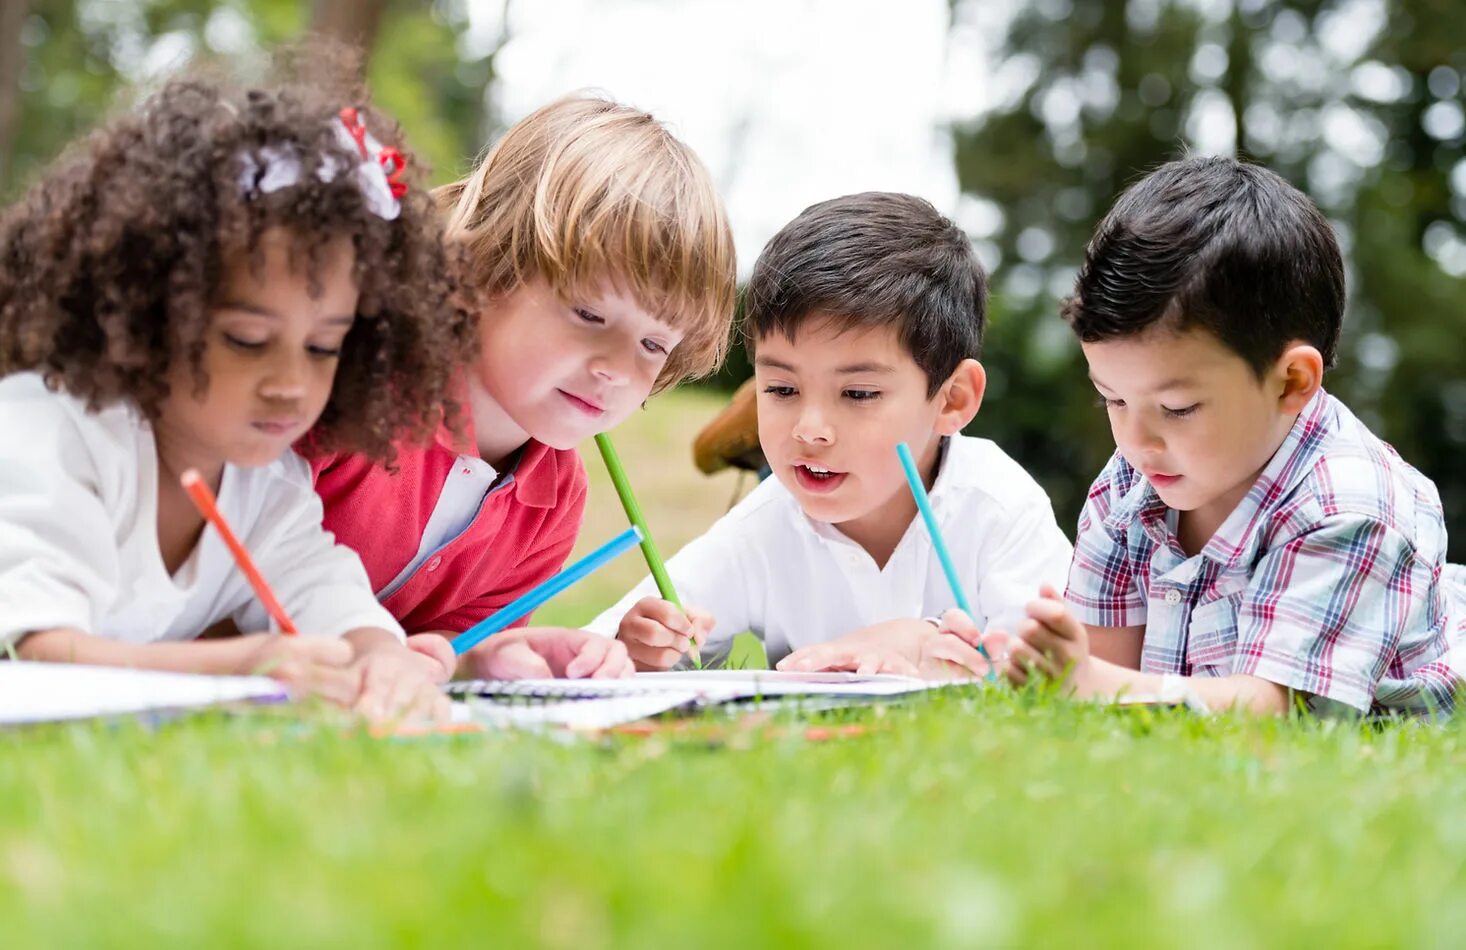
x=521 y=532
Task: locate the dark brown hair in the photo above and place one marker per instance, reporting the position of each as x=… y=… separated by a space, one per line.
x=109 y=265
x=874 y=259
x=1218 y=244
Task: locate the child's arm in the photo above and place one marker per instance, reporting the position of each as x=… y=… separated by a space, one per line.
x=1052 y=644
x=316 y=665
x=711 y=580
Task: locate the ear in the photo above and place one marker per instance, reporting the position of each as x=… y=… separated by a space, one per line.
x=960 y=397
x=1299 y=374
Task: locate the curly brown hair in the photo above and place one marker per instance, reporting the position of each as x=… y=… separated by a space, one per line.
x=109 y=264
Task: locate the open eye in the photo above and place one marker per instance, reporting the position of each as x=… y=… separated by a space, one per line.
x=653 y=347
x=781 y=392
x=588 y=317
x=861 y=395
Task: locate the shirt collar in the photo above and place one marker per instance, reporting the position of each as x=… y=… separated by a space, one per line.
x=535 y=468
x=1289 y=465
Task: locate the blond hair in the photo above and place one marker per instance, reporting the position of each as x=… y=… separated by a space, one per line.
x=585 y=190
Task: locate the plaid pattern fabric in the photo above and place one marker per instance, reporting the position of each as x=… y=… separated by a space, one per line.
x=1329 y=578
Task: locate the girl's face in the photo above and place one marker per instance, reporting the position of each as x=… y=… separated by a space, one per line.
x=559 y=372
x=270 y=355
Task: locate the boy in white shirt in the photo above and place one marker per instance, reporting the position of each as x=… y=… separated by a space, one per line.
x=865 y=317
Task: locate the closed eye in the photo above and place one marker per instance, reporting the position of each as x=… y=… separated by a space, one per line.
x=1182 y=412
x=249 y=346
x=588 y=317
x=1105 y=402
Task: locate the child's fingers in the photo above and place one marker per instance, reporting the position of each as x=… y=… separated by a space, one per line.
x=336 y=684
x=1034 y=661
x=651 y=659
x=331 y=651
x=438 y=650
x=653 y=633
x=958 y=624
x=516 y=660
x=665 y=613
x=1055 y=615
x=702 y=625
x=960 y=657
x=596 y=657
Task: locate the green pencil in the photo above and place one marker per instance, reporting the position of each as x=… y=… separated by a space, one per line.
x=633 y=514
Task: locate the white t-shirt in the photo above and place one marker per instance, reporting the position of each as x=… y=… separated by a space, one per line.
x=768 y=568
x=79 y=534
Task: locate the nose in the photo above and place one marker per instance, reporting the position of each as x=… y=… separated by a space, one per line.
x=612 y=364
x=286 y=378
x=1132 y=429
x=813 y=426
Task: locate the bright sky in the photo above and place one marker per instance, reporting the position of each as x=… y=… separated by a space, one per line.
x=788 y=102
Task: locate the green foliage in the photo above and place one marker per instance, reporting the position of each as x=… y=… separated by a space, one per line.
x=1111 y=91
x=82 y=56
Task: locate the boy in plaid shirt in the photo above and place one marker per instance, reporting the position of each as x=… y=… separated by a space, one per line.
x=1250 y=543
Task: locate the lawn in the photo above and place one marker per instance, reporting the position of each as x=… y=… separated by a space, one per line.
x=973 y=818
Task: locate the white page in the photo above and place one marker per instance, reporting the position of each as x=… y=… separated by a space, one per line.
x=48 y=692
x=710 y=686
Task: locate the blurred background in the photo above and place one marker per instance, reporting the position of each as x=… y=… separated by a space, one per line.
x=1020 y=120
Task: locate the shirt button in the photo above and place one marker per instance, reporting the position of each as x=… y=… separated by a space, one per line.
x=432 y=565
x=1173 y=596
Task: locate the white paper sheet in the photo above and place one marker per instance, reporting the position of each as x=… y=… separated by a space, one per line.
x=49 y=692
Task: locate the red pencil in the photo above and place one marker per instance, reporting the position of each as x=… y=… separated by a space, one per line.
x=203 y=500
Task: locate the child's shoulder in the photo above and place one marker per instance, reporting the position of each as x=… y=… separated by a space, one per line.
x=978 y=471
x=35 y=416
x=1356 y=473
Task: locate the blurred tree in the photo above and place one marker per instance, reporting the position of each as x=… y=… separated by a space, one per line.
x=78 y=56
x=1359 y=102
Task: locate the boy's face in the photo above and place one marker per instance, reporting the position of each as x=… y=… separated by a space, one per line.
x=561 y=372
x=832 y=406
x=1191 y=416
x=270 y=353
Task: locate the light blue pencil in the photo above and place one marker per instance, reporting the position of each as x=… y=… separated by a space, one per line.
x=924 y=505
x=537 y=595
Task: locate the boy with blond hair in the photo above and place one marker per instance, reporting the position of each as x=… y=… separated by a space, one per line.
x=604 y=264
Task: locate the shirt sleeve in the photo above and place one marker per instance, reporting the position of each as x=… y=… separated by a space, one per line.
x=1033 y=551
x=1326 y=612
x=320 y=583
x=544 y=559
x=709 y=575
x=58 y=552
x=1102 y=589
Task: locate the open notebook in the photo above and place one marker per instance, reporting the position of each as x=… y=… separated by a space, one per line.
x=600 y=704
x=51 y=692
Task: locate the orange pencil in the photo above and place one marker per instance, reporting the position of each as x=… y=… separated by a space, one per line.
x=203 y=500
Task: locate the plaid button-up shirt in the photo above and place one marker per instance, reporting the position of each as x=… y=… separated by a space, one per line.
x=1329 y=578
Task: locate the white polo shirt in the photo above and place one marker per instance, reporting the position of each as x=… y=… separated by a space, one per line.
x=768 y=568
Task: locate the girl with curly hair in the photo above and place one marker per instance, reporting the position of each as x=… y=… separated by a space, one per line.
x=196 y=286
x=603 y=265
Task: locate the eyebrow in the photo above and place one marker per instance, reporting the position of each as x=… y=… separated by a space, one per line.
x=1175 y=382
x=340 y=319
x=772 y=363
x=867 y=367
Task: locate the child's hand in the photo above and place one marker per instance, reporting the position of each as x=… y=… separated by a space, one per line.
x=398 y=683
x=657 y=634
x=544 y=652
x=956 y=652
x=438 y=649
x=1053 y=644
x=894 y=646
x=317 y=666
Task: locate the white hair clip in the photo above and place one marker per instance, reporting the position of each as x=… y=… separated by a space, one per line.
x=378 y=174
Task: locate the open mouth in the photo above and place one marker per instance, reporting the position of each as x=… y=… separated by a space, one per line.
x=817 y=478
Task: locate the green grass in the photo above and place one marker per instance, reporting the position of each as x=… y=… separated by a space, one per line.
x=969 y=820
x=972 y=819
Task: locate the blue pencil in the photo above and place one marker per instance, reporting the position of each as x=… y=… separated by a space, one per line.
x=536 y=596
x=924 y=505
